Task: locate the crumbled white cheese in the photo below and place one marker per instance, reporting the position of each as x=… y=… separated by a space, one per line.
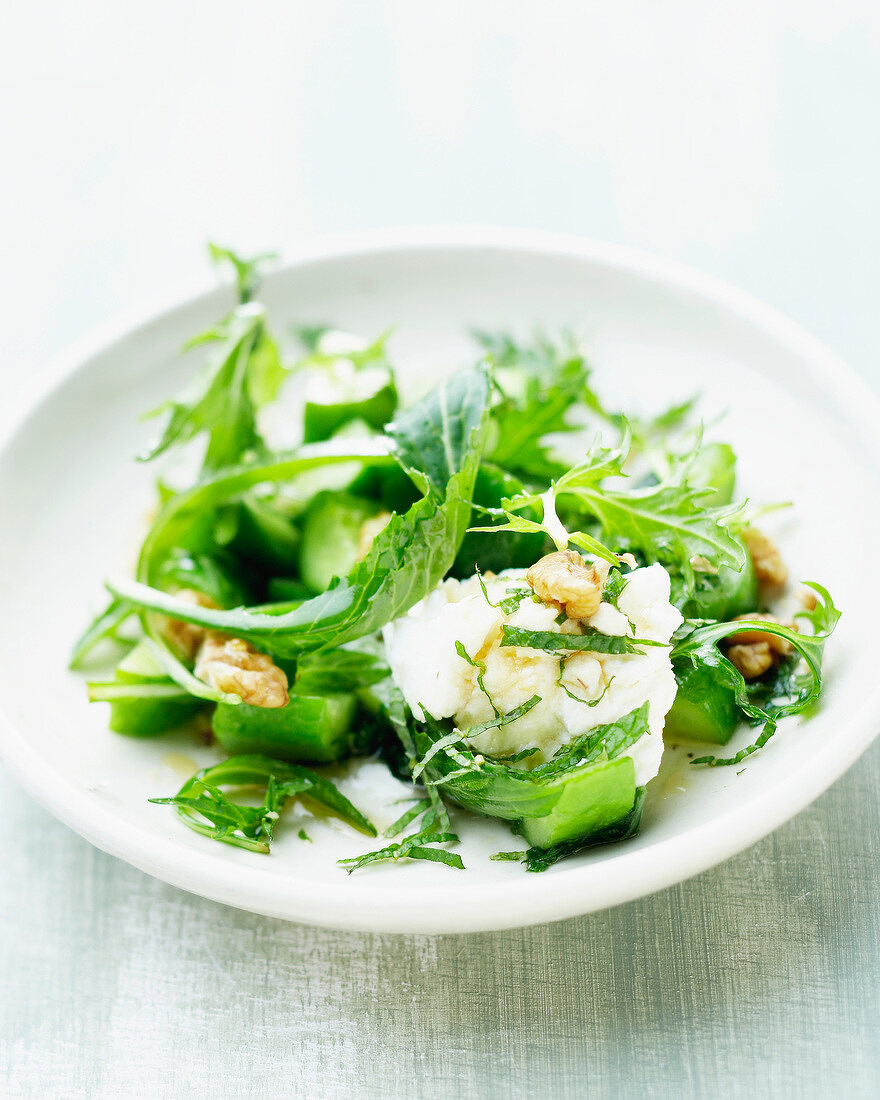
x=426 y=667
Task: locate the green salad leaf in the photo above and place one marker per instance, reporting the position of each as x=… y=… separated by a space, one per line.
x=438 y=442
x=219 y=401
x=104 y=625
x=245 y=373
x=248 y=270
x=670 y=522
x=539 y=386
x=332 y=671
x=207 y=809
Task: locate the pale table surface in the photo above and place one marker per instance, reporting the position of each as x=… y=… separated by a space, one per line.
x=736 y=137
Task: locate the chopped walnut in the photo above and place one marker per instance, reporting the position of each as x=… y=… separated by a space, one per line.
x=753 y=652
x=187 y=637
x=808 y=599
x=233 y=665
x=370 y=528
x=770 y=570
x=752 y=660
x=567 y=581
x=226 y=663
x=781 y=646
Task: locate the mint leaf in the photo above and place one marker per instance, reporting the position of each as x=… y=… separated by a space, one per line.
x=204 y=807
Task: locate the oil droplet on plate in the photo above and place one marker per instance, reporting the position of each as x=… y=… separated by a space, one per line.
x=180 y=764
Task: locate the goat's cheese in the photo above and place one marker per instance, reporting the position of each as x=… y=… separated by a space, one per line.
x=428 y=670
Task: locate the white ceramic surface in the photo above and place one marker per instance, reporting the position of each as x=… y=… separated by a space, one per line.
x=72 y=503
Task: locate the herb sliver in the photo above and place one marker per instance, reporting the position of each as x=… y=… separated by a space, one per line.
x=207 y=809
x=591 y=641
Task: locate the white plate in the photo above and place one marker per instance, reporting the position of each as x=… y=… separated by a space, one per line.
x=72 y=503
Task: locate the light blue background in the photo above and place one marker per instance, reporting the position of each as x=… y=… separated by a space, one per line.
x=740 y=138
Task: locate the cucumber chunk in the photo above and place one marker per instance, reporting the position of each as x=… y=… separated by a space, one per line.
x=144 y=714
x=139 y=665
x=705 y=706
x=589 y=800
x=331 y=537
x=311 y=728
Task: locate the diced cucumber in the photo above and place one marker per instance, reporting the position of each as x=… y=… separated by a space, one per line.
x=139 y=665
x=310 y=729
x=331 y=537
x=143 y=701
x=140 y=717
x=590 y=799
x=705 y=706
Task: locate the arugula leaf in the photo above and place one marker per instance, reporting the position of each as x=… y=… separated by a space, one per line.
x=438 y=443
x=599 y=463
x=221 y=400
x=247 y=270
x=180 y=674
x=104 y=625
x=117 y=691
x=205 y=808
x=187 y=519
x=668 y=522
x=790 y=692
x=539 y=384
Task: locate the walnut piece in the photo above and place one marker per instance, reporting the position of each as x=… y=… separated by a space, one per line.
x=781 y=646
x=752 y=660
x=567 y=581
x=226 y=663
x=187 y=637
x=770 y=570
x=754 y=651
x=233 y=665
x=808 y=599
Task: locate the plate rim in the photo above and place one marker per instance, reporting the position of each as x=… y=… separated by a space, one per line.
x=496 y=905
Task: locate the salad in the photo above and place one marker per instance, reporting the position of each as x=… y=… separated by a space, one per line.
x=506 y=591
